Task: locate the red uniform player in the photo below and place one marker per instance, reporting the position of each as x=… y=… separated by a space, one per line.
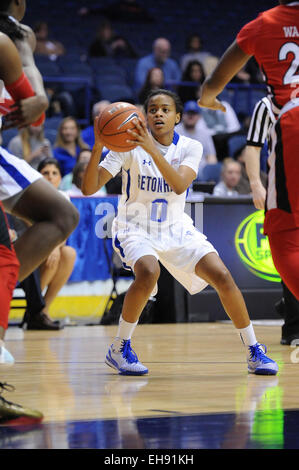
x=273 y=39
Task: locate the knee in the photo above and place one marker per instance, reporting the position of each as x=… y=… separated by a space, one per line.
x=66 y=219
x=148 y=275
x=222 y=280
x=69 y=254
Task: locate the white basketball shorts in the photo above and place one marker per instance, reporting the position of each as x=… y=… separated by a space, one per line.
x=178 y=252
x=15 y=177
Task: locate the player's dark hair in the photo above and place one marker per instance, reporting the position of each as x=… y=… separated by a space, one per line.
x=177 y=100
x=7 y=26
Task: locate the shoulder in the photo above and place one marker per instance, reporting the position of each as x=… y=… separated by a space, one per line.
x=30 y=39
x=60 y=151
x=6 y=44
x=190 y=145
x=15 y=142
x=146 y=58
x=187 y=141
x=5 y=40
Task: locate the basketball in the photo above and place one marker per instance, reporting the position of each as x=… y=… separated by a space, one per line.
x=113 y=124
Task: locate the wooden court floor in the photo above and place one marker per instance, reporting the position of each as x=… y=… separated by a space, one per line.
x=196 y=370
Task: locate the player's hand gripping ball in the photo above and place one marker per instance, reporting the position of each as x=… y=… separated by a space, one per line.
x=113 y=124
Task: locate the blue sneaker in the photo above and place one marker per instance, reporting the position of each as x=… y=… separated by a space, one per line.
x=258 y=362
x=125 y=360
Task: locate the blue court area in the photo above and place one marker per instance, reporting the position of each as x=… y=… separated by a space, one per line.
x=268 y=429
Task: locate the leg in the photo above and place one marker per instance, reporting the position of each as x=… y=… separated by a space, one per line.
x=285 y=253
x=53 y=218
x=290 y=328
x=9 y=268
x=212 y=270
x=147 y=273
x=120 y=355
x=62 y=274
x=31 y=287
x=48 y=269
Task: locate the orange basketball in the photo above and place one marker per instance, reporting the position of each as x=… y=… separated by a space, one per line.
x=113 y=124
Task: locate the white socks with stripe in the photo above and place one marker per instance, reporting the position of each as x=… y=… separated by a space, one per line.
x=247 y=335
x=125 y=331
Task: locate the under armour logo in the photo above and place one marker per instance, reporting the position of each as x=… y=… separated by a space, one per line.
x=146 y=162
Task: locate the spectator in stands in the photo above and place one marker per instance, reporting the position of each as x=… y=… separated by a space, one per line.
x=67 y=180
x=194 y=51
x=31 y=145
x=230 y=178
x=45 y=45
x=101 y=44
x=61 y=102
x=221 y=126
x=57 y=268
x=109 y=44
x=75 y=190
x=87 y=134
x=193 y=126
x=194 y=73
x=250 y=73
x=160 y=57
x=68 y=144
x=154 y=81
x=120 y=47
x=123 y=10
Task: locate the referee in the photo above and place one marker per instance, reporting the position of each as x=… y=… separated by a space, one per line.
x=259 y=132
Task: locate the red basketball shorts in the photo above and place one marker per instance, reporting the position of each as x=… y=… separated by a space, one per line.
x=9 y=269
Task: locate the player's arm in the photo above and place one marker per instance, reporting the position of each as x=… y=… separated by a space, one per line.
x=252 y=163
x=10 y=63
x=229 y=65
x=95 y=176
x=179 y=180
x=26 y=50
x=31 y=110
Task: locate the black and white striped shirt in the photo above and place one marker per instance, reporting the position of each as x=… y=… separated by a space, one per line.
x=261 y=122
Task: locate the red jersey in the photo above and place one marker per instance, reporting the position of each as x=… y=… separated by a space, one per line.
x=273 y=39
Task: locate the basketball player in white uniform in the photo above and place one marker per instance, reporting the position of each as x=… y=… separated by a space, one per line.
x=151 y=225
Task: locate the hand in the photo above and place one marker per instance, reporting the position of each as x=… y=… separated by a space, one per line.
x=40 y=151
x=214 y=104
x=258 y=196
x=25 y=112
x=97 y=137
x=141 y=136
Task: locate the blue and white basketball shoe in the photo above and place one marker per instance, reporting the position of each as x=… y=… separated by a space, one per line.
x=125 y=361
x=258 y=362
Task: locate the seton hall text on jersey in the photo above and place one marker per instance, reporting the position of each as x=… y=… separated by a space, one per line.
x=291 y=32
x=154 y=184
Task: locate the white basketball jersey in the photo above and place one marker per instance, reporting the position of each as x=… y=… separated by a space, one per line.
x=147 y=200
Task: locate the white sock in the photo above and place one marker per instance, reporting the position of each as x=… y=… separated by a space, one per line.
x=247 y=335
x=125 y=331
